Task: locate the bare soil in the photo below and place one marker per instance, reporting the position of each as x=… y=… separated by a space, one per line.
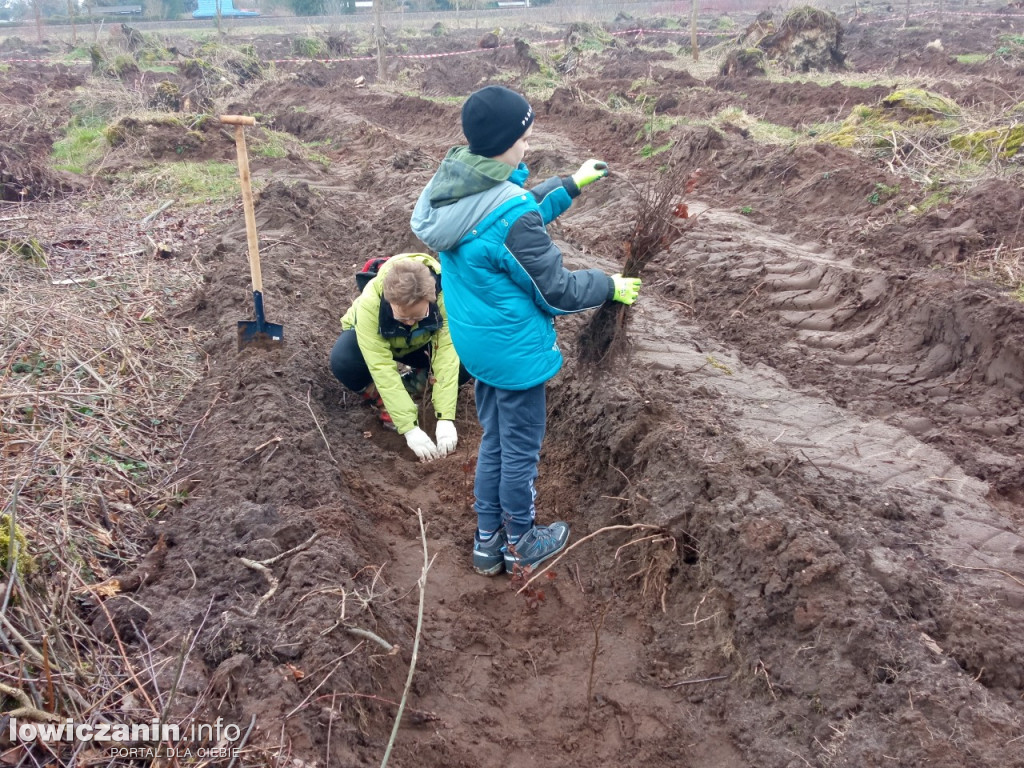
x=820 y=412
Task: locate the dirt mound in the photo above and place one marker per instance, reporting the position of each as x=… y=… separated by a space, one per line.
x=163 y=138
x=24 y=177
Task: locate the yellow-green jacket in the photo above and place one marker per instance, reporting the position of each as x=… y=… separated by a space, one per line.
x=382 y=340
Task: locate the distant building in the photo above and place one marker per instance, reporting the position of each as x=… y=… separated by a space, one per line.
x=116 y=10
x=208 y=10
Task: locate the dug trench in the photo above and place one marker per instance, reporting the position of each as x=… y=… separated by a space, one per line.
x=770 y=575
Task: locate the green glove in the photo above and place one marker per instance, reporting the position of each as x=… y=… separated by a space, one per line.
x=590 y=171
x=626 y=289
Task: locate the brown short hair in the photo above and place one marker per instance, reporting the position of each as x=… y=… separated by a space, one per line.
x=407 y=282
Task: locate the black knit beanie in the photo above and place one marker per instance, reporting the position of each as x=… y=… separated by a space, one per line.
x=493 y=119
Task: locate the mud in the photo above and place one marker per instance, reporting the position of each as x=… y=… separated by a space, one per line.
x=804 y=478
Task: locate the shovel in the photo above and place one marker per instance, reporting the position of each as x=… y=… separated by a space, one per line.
x=258 y=332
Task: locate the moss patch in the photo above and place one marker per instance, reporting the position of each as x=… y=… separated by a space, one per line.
x=25 y=562
x=919 y=105
x=1002 y=143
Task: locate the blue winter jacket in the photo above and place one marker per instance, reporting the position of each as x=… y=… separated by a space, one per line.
x=503 y=278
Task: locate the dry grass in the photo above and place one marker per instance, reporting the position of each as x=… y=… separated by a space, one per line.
x=93 y=364
x=1002 y=265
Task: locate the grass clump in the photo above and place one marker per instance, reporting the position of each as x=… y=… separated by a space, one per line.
x=1002 y=265
x=650 y=150
x=86 y=380
x=1011 y=47
x=882 y=193
x=222 y=68
x=271 y=144
x=972 y=58
x=588 y=37
x=538 y=86
x=760 y=131
x=84 y=144
x=190 y=182
x=746 y=62
x=934 y=200
x=807 y=17
x=309 y=47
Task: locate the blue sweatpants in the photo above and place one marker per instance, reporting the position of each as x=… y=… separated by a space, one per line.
x=506 y=466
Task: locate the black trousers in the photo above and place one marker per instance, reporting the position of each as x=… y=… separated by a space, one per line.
x=349 y=367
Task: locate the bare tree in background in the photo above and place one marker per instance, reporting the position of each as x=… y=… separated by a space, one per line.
x=92 y=20
x=71 y=18
x=39 y=20
x=693 y=30
x=378 y=33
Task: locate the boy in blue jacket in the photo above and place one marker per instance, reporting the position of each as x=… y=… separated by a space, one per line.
x=504 y=284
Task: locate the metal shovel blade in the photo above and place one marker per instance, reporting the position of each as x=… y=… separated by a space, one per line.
x=259 y=332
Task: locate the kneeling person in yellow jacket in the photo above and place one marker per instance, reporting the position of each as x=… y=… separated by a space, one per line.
x=400 y=316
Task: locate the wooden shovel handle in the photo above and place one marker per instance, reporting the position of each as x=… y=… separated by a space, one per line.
x=240 y=121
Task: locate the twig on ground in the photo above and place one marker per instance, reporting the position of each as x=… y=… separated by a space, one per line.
x=259 y=448
x=271 y=579
x=571 y=547
x=27 y=709
x=13 y=550
x=694 y=682
x=421 y=713
x=642 y=539
x=151 y=217
x=330 y=453
x=261 y=566
x=327 y=677
x=596 y=623
x=993 y=570
x=25 y=644
x=422 y=583
x=365 y=633
x=293 y=550
x=245 y=738
x=761 y=669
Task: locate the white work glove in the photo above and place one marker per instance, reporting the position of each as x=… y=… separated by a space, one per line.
x=447 y=438
x=421 y=444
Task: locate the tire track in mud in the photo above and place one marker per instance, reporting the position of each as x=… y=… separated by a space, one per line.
x=940 y=358
x=821 y=294
x=836 y=306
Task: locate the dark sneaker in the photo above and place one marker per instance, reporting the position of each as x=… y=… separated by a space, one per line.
x=489 y=556
x=537 y=545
